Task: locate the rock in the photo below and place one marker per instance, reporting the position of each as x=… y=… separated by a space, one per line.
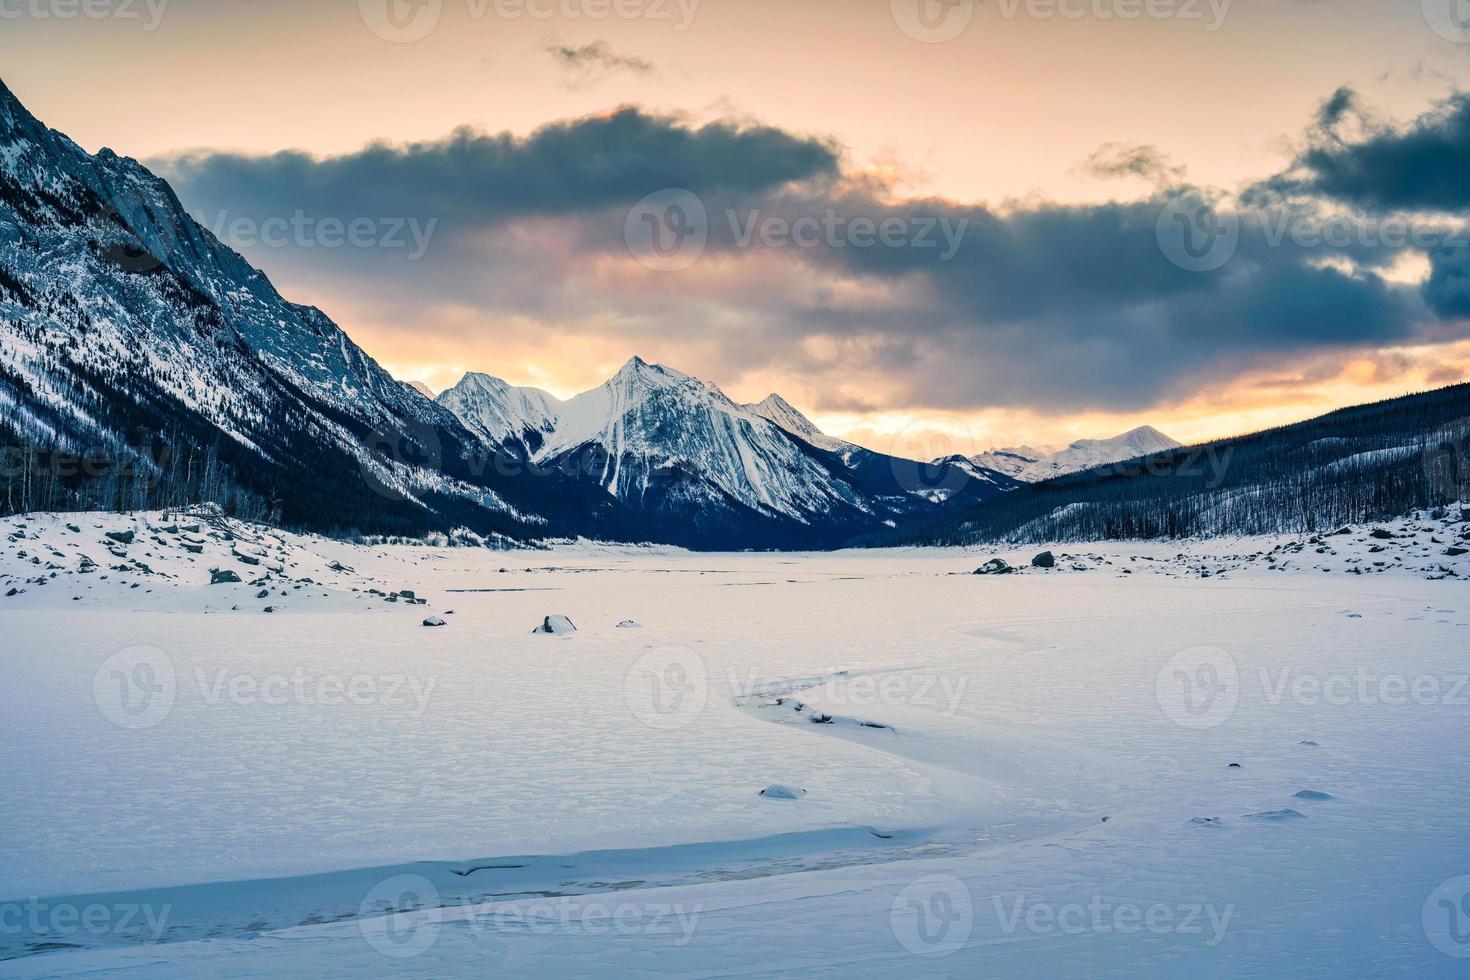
x=1233 y=765
x=1044 y=560
x=74 y=529
x=1312 y=794
x=246 y=559
x=337 y=566
x=434 y=621
x=1455 y=552
x=780 y=791
x=555 y=625
x=406 y=593
x=1381 y=534
x=628 y=624
x=269 y=609
x=995 y=566
x=12 y=593
x=121 y=537
x=263 y=594
x=223 y=577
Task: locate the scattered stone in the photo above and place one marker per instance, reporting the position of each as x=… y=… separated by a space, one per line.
x=995 y=566
x=555 y=625
x=780 y=791
x=434 y=621
x=1381 y=534
x=263 y=594
x=223 y=577
x=121 y=537
x=1044 y=560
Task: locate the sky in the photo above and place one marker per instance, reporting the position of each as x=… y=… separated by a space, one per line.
x=934 y=225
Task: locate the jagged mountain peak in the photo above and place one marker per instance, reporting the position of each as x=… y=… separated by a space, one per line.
x=781 y=412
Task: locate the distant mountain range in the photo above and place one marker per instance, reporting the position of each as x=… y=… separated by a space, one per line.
x=1032 y=465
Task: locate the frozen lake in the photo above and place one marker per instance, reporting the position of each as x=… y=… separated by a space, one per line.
x=1116 y=767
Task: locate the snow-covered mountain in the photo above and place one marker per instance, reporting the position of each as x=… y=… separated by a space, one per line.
x=1031 y=464
x=679 y=451
x=130 y=335
x=517 y=420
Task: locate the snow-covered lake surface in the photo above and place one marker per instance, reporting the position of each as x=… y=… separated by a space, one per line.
x=1241 y=758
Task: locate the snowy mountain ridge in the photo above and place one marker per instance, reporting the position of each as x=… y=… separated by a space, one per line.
x=1031 y=464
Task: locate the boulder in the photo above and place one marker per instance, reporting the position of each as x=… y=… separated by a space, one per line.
x=995 y=566
x=223 y=577
x=780 y=791
x=121 y=537
x=1381 y=534
x=434 y=621
x=555 y=625
x=1044 y=560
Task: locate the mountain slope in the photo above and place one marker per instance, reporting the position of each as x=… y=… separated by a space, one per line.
x=132 y=338
x=1353 y=466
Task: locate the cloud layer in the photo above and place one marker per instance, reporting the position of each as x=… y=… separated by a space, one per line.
x=806 y=269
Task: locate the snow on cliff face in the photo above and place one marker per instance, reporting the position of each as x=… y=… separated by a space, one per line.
x=671 y=444
x=652 y=430
x=778 y=410
x=1033 y=465
x=518 y=419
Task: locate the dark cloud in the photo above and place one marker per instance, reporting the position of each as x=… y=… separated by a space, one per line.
x=475 y=179
x=1421 y=166
x=1038 y=304
x=590 y=63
